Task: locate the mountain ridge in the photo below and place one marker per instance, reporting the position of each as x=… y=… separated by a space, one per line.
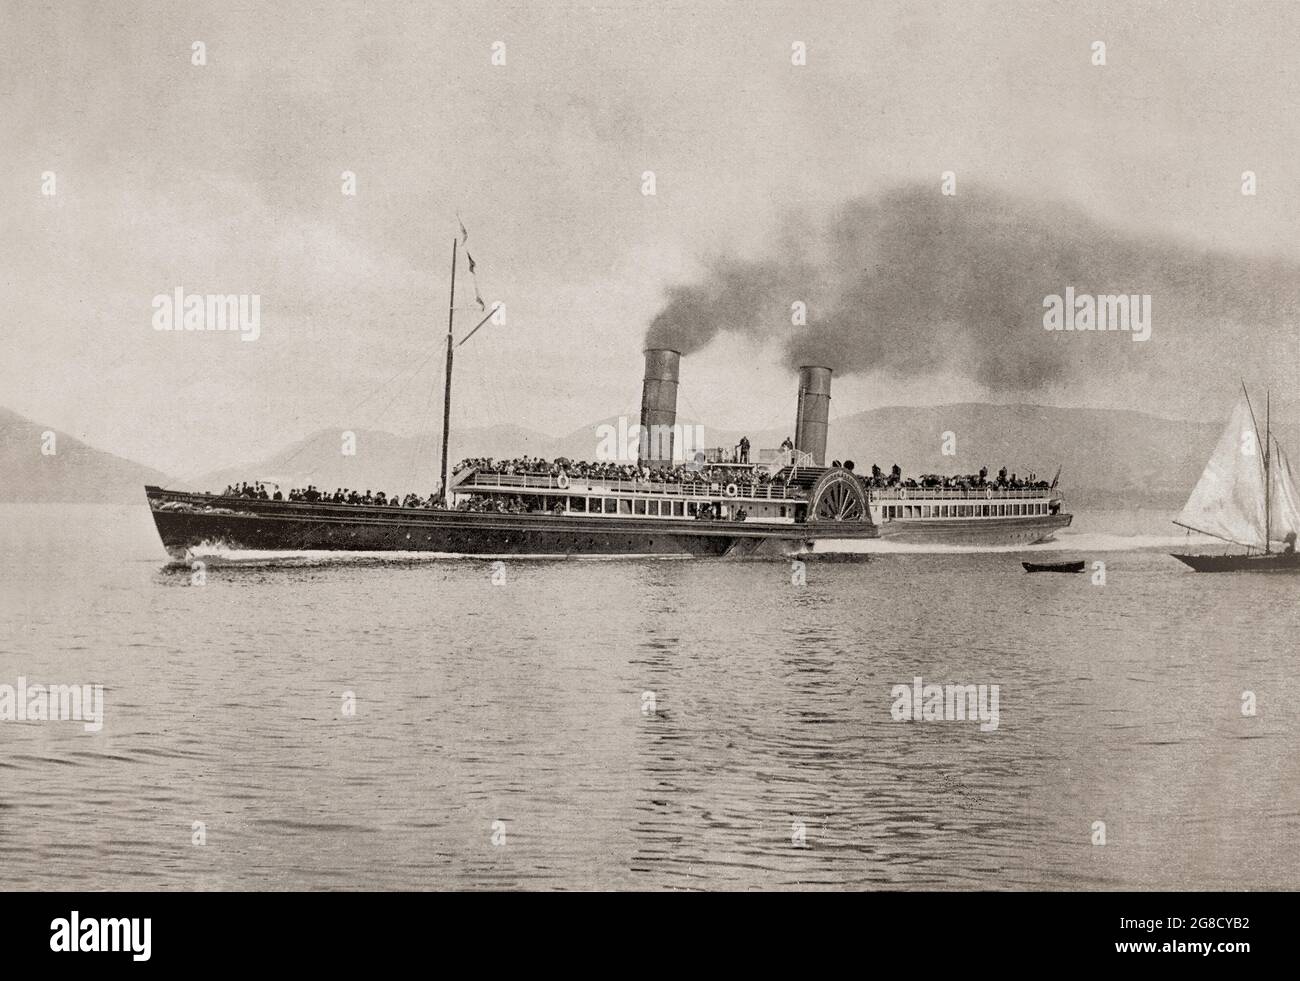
x=74 y=472
x=1110 y=458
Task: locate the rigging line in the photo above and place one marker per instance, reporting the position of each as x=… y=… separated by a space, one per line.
x=699 y=418
x=306 y=440
x=422 y=440
x=384 y=385
x=1212 y=534
x=188 y=478
x=398 y=389
x=395 y=392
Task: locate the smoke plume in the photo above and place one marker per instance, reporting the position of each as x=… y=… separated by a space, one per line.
x=914 y=283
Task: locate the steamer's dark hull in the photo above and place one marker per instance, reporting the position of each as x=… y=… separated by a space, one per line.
x=197 y=522
x=193 y=522
x=1278 y=562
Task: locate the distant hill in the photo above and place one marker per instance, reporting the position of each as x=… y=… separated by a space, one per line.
x=382 y=461
x=1109 y=458
x=74 y=473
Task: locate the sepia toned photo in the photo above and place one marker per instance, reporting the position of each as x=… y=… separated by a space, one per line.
x=649 y=447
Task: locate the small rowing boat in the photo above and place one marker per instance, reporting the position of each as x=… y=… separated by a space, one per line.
x=1053 y=566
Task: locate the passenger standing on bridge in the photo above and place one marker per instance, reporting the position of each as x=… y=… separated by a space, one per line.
x=744 y=449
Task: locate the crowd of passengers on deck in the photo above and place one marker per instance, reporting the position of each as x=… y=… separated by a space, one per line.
x=979 y=481
x=686 y=473
x=527 y=466
x=311 y=494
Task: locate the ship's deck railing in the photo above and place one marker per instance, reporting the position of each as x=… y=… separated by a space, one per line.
x=753 y=490
x=957 y=493
x=745 y=489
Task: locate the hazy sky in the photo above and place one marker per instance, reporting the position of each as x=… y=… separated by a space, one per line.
x=225 y=178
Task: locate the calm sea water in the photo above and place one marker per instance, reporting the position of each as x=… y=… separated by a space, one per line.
x=643 y=724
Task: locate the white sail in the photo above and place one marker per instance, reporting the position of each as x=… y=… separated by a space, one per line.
x=1228 y=501
x=1284 y=502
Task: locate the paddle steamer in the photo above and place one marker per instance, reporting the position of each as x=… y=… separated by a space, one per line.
x=785 y=502
x=797 y=508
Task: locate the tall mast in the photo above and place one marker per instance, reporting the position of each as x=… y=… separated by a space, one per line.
x=446 y=399
x=1268 y=484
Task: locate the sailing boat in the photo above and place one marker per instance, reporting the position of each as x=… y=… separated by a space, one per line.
x=1246 y=496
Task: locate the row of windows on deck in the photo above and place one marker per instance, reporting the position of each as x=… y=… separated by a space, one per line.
x=651 y=507
x=654 y=507
x=892 y=511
